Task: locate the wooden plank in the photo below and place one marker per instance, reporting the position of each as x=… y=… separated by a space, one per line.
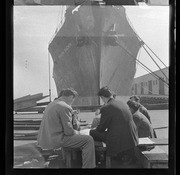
x=31 y=109
x=24 y=104
x=26 y=127
x=43 y=103
x=28 y=123
x=29 y=97
x=162 y=127
x=24 y=142
x=22 y=98
x=28 y=101
x=35 y=133
x=25 y=135
x=161 y=141
x=25 y=138
x=152 y=141
x=27 y=120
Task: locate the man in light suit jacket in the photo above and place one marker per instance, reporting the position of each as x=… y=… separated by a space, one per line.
x=56 y=129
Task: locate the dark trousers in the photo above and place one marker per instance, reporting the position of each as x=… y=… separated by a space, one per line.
x=97 y=136
x=124 y=156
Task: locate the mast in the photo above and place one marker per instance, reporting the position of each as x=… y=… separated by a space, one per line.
x=99 y=4
x=49 y=76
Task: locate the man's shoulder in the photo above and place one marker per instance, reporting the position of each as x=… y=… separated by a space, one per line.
x=143 y=107
x=60 y=105
x=106 y=107
x=118 y=104
x=139 y=115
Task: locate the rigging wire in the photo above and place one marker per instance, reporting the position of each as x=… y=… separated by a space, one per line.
x=56 y=30
x=150 y=73
x=58 y=16
x=59 y=24
x=147 y=46
x=152 y=51
x=142 y=64
x=145 y=68
x=153 y=59
x=155 y=63
x=49 y=76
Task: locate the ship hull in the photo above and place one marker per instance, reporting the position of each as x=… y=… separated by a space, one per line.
x=94 y=47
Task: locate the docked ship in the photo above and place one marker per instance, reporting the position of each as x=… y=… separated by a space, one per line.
x=94 y=46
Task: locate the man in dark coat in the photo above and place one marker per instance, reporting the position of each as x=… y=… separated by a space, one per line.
x=116 y=128
x=143 y=110
x=144 y=127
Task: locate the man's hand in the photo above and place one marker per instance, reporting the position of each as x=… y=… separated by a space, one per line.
x=75 y=112
x=97 y=112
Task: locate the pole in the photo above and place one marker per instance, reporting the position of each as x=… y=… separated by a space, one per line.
x=49 y=77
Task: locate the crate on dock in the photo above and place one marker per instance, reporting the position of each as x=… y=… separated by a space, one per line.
x=155 y=158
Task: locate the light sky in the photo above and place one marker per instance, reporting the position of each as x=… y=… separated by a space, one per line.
x=34 y=26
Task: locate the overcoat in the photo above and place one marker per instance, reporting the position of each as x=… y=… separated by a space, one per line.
x=144 y=127
x=121 y=131
x=144 y=111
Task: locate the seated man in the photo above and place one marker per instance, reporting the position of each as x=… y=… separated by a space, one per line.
x=144 y=127
x=56 y=129
x=74 y=113
x=96 y=120
x=116 y=128
x=142 y=109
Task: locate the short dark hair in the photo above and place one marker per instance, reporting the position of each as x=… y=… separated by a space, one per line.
x=105 y=92
x=133 y=104
x=68 y=92
x=61 y=93
x=136 y=98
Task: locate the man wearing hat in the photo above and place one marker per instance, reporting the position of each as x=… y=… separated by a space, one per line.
x=56 y=129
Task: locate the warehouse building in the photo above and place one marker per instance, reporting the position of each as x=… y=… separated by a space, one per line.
x=149 y=84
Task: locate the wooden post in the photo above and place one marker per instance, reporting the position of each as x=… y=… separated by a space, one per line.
x=108 y=162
